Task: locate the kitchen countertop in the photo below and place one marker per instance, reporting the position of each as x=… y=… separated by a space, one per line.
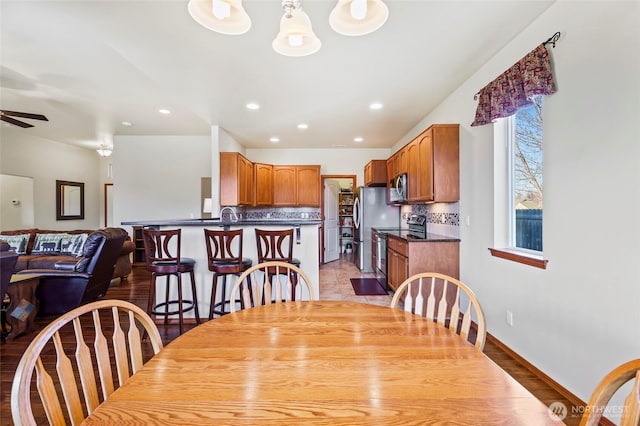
x=404 y=234
x=218 y=222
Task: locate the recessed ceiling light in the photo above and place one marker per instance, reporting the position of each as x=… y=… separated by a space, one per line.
x=127 y=123
x=164 y=111
x=358 y=139
x=274 y=139
x=376 y=105
x=303 y=126
x=253 y=106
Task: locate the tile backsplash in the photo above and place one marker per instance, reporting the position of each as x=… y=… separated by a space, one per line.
x=442 y=218
x=277 y=213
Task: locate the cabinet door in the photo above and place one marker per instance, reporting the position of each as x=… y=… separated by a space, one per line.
x=403 y=166
x=284 y=186
x=308 y=184
x=236 y=180
x=263 y=184
x=246 y=181
x=425 y=176
x=367 y=174
x=413 y=171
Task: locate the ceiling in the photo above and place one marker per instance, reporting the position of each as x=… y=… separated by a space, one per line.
x=90 y=65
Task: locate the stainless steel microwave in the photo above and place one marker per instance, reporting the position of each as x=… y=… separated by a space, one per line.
x=398 y=189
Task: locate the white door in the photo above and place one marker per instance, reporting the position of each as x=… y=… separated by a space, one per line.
x=331 y=219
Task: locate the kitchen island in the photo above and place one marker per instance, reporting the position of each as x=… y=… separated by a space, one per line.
x=305 y=247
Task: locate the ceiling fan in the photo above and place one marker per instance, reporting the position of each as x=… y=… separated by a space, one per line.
x=5 y=116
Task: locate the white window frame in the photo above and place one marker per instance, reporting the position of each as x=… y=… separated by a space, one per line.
x=504 y=211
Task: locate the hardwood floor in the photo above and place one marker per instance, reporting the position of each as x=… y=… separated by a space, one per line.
x=334 y=284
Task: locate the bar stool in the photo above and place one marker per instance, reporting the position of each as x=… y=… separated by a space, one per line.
x=159 y=246
x=277 y=246
x=222 y=260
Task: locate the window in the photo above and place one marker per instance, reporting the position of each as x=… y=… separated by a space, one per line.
x=526 y=195
x=519 y=186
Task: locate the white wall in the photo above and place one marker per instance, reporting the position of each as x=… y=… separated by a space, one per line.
x=579 y=318
x=47 y=161
x=158 y=177
x=332 y=161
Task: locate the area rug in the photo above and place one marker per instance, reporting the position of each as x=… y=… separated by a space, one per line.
x=367 y=287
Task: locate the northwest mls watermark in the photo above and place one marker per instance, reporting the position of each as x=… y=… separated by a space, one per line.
x=558 y=410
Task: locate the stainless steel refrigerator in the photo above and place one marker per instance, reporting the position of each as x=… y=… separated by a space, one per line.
x=370 y=210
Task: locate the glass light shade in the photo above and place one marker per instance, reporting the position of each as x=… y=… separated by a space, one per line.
x=293 y=29
x=207 y=206
x=104 y=151
x=238 y=22
x=344 y=23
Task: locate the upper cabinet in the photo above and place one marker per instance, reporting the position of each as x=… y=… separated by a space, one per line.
x=432 y=164
x=308 y=186
x=236 y=180
x=438 y=164
x=375 y=173
x=296 y=186
x=263 y=184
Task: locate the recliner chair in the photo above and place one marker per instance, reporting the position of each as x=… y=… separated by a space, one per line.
x=73 y=284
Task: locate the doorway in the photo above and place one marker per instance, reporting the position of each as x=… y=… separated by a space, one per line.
x=336 y=189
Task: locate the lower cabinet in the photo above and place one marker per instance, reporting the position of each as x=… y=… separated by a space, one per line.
x=409 y=258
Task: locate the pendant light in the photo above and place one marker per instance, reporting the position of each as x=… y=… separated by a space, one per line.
x=358 y=17
x=296 y=37
x=222 y=16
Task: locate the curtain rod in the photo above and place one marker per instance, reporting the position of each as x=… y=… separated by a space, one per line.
x=551 y=40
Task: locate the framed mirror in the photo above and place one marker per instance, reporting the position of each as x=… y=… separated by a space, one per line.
x=69 y=200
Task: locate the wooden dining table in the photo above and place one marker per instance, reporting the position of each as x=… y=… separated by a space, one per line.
x=321 y=363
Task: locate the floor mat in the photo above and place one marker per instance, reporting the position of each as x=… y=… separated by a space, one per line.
x=367 y=287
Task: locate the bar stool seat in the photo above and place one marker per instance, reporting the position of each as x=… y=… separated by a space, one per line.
x=162 y=252
x=224 y=255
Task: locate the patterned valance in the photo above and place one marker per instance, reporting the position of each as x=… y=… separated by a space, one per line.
x=514 y=88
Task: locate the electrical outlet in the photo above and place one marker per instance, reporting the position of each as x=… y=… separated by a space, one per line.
x=509 y=318
x=444 y=218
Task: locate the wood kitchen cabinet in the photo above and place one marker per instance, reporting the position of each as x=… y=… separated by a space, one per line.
x=296 y=186
x=263 y=184
x=409 y=258
x=308 y=193
x=375 y=173
x=285 y=186
x=438 y=165
x=236 y=180
x=397 y=261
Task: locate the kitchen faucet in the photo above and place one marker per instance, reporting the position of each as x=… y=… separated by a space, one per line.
x=234 y=216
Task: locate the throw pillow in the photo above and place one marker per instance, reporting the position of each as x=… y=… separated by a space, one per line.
x=18 y=243
x=47 y=244
x=72 y=244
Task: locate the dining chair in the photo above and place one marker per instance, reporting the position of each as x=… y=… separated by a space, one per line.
x=271 y=282
x=162 y=254
x=607 y=388
x=69 y=335
x=440 y=298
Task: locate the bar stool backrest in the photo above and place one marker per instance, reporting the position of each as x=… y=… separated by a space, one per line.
x=224 y=248
x=274 y=245
x=162 y=250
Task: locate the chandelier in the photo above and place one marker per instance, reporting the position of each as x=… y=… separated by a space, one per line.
x=296 y=36
x=104 y=150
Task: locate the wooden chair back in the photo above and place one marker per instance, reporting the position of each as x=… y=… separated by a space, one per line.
x=274 y=245
x=438 y=297
x=224 y=250
x=607 y=388
x=259 y=286
x=49 y=356
x=162 y=250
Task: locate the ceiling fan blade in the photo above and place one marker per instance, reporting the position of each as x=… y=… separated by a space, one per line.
x=25 y=115
x=14 y=121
